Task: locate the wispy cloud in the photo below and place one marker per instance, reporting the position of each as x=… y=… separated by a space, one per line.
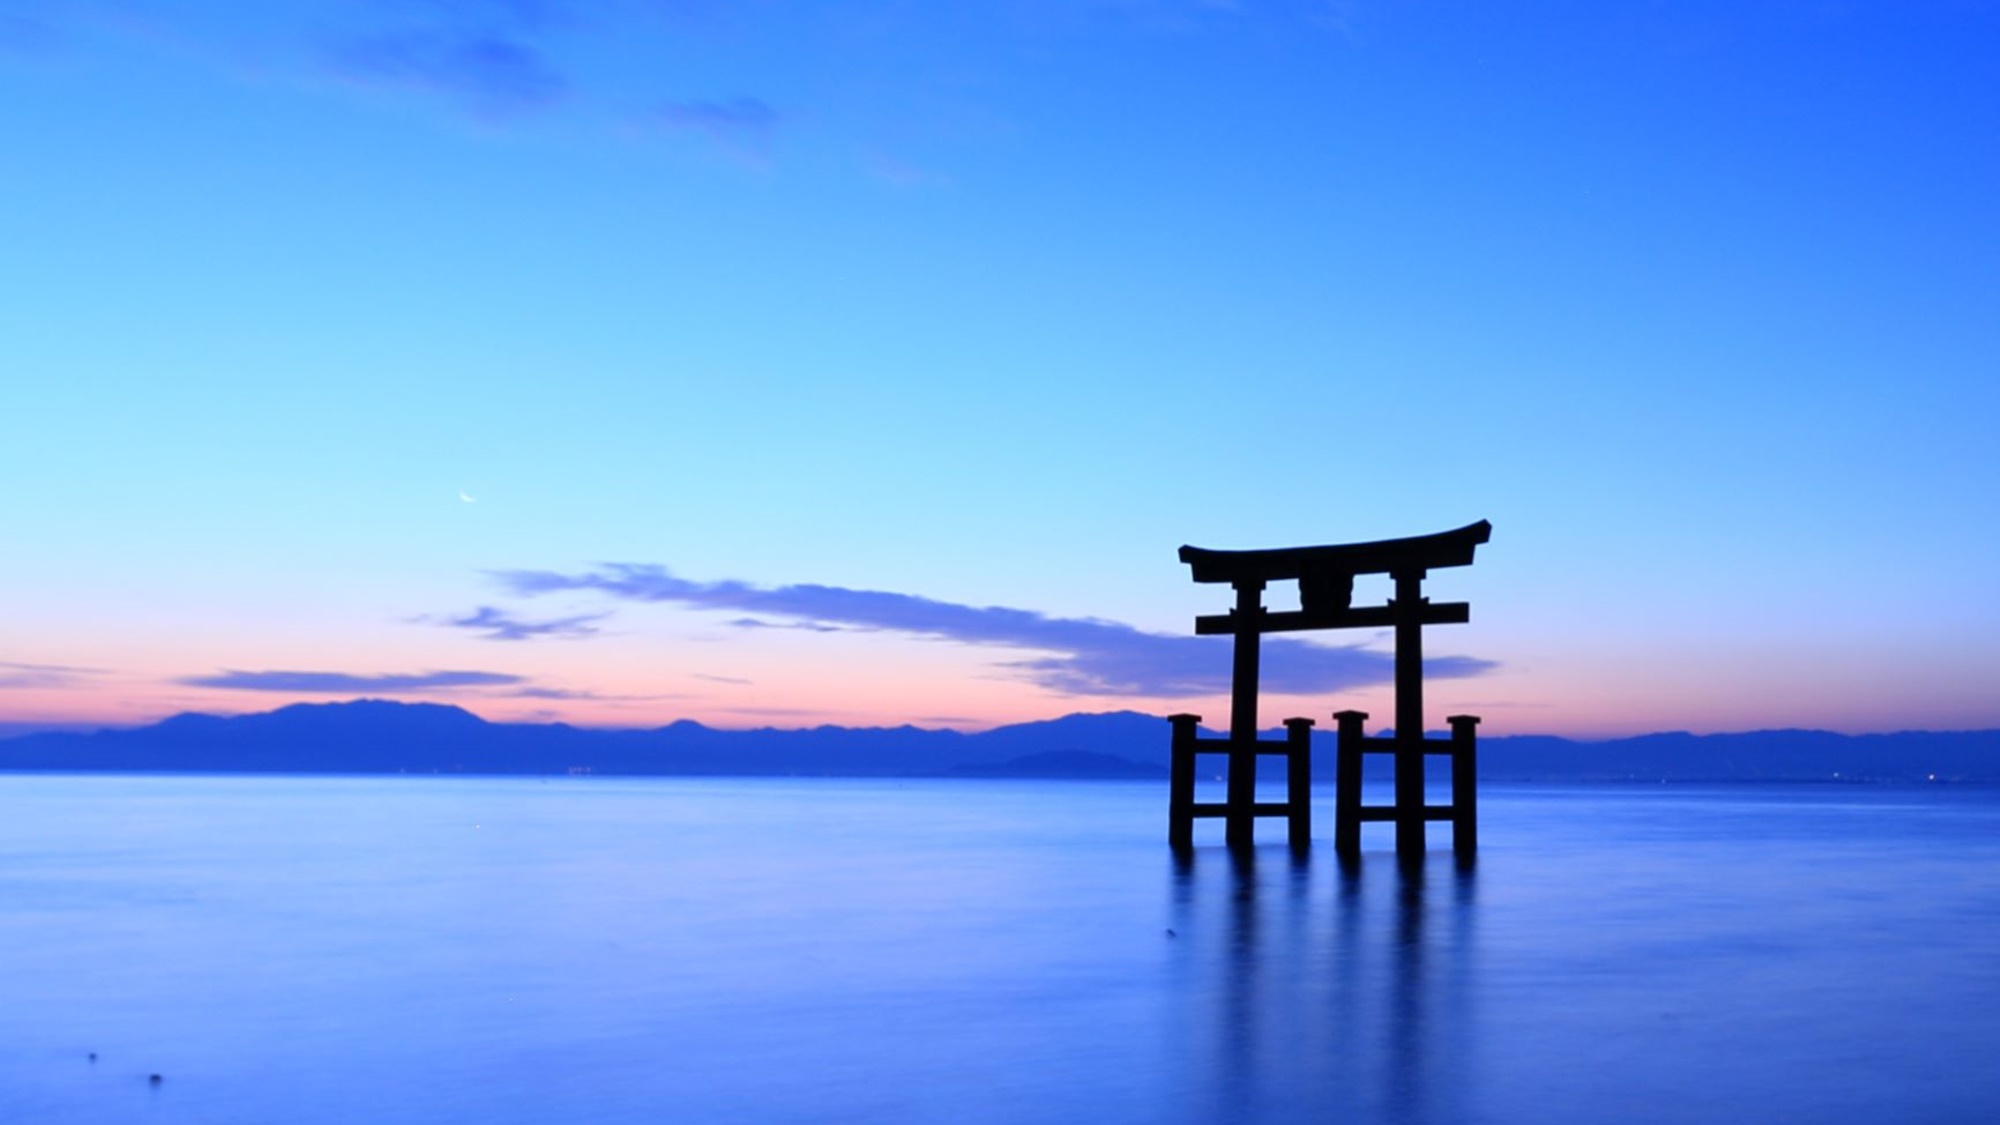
x=26 y=35
x=808 y=626
x=333 y=683
x=738 y=116
x=16 y=675
x=900 y=172
x=515 y=13
x=548 y=693
x=574 y=694
x=742 y=127
x=1087 y=656
x=775 y=712
x=491 y=74
x=500 y=59
x=499 y=625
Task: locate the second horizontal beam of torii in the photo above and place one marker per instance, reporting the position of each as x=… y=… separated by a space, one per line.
x=1374 y=616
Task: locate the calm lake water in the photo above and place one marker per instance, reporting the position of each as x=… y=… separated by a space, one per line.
x=599 y=950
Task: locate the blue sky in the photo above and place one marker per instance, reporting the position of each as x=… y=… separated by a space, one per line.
x=322 y=320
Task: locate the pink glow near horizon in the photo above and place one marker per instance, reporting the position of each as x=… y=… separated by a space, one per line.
x=676 y=665
x=866 y=701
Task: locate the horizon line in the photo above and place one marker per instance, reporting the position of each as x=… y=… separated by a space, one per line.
x=11 y=729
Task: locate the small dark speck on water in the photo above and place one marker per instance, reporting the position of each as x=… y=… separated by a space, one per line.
x=154 y=1079
x=93 y=1056
x=1170 y=933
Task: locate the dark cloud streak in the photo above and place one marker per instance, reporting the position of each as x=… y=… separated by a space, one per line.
x=808 y=626
x=27 y=36
x=341 y=683
x=493 y=75
x=1089 y=656
x=499 y=625
x=590 y=696
x=16 y=675
x=738 y=117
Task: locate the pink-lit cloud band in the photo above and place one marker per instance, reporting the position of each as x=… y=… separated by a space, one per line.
x=1084 y=656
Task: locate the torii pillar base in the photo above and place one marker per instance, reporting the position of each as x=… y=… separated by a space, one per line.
x=1410 y=812
x=1241 y=806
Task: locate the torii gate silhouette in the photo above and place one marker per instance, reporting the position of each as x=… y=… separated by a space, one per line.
x=1326 y=593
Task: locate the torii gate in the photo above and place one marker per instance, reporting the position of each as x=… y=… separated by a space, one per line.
x=1326 y=593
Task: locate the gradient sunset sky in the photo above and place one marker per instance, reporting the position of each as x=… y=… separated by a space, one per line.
x=866 y=363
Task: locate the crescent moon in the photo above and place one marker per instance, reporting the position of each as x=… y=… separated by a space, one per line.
x=464 y=497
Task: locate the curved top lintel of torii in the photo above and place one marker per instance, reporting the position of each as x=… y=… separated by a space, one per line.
x=1382 y=556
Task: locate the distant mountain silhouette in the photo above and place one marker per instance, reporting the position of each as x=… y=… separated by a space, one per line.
x=378 y=736
x=1066 y=763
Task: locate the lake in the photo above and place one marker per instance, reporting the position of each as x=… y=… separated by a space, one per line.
x=430 y=949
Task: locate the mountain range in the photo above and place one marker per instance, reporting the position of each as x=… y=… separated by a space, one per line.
x=379 y=736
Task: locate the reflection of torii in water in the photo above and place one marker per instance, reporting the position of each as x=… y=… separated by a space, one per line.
x=1354 y=1006
x=1326 y=594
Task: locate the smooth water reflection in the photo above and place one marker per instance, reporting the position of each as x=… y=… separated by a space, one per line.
x=327 y=949
x=1328 y=991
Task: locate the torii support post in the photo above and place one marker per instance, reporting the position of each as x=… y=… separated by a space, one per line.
x=1408 y=609
x=1347 y=783
x=1464 y=784
x=1298 y=782
x=1180 y=783
x=1242 y=796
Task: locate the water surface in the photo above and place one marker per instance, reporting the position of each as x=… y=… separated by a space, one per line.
x=599 y=950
